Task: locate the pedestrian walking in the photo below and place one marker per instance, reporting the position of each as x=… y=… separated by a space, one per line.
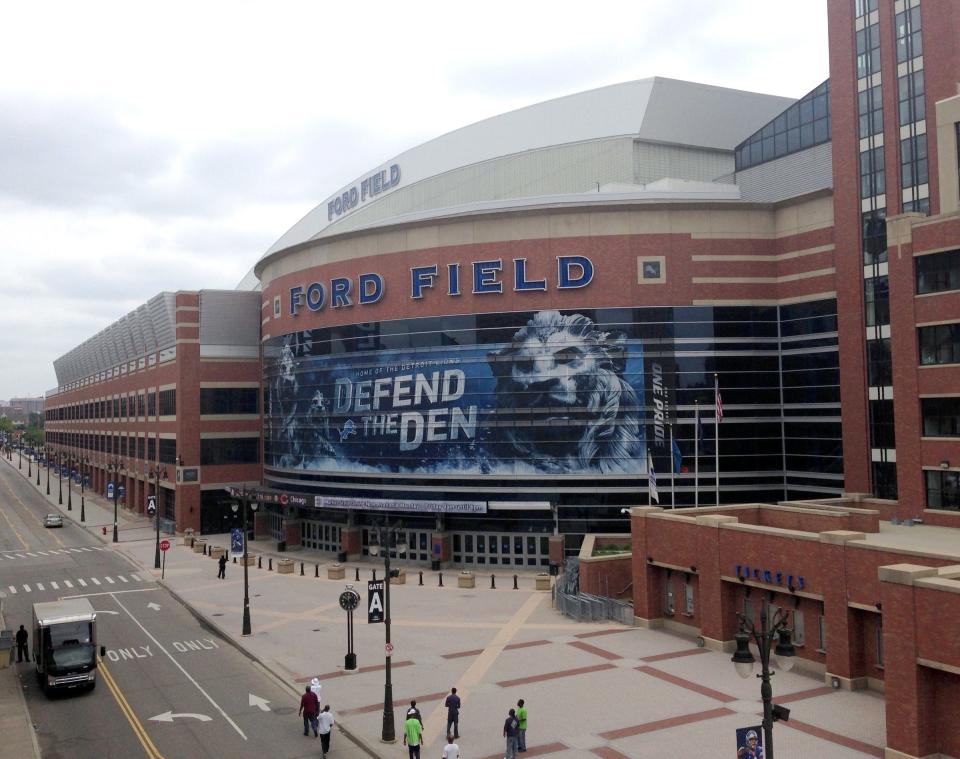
x=451 y=750
x=309 y=708
x=413 y=734
x=511 y=726
x=453 y=713
x=413 y=711
x=325 y=722
x=222 y=561
x=522 y=727
x=317 y=688
x=22 y=652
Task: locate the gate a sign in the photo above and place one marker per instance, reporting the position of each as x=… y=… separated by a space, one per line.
x=374 y=601
x=151 y=505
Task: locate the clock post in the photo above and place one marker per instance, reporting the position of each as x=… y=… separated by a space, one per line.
x=349 y=600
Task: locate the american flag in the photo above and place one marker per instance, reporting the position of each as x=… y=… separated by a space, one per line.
x=719 y=408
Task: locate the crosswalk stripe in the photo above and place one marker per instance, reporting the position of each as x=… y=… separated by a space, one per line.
x=75 y=550
x=86 y=549
x=21 y=556
x=13 y=590
x=121 y=578
x=41 y=553
x=110 y=580
x=68 y=583
x=40 y=586
x=26 y=588
x=31 y=554
x=54 y=585
x=95 y=581
x=82 y=583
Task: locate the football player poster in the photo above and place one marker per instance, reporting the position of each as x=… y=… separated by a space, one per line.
x=750 y=742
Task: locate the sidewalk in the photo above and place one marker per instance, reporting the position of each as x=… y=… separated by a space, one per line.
x=19 y=738
x=592 y=690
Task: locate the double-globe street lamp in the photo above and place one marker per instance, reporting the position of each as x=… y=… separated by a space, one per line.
x=244 y=502
x=387 y=537
x=114 y=467
x=60 y=459
x=157 y=473
x=47 y=451
x=83 y=462
x=773 y=633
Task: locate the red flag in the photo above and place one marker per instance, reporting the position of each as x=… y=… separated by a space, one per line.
x=719 y=407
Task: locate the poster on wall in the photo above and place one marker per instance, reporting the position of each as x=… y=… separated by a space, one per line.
x=563 y=396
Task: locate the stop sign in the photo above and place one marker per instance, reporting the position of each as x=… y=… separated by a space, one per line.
x=164 y=545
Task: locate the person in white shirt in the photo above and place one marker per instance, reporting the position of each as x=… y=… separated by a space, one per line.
x=451 y=750
x=317 y=688
x=324 y=725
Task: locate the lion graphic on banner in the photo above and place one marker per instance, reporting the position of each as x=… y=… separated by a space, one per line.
x=562 y=398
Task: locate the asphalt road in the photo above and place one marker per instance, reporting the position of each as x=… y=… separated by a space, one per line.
x=168 y=686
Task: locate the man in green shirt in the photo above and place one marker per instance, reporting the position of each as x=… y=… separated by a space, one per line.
x=522 y=732
x=412 y=732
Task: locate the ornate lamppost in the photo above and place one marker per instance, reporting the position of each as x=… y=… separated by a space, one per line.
x=244 y=501
x=84 y=461
x=764 y=636
x=157 y=473
x=71 y=460
x=387 y=537
x=60 y=476
x=47 y=450
x=114 y=468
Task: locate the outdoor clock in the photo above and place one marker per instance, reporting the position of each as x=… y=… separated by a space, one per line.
x=349 y=600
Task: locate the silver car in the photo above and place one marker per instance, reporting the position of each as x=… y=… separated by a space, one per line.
x=53 y=520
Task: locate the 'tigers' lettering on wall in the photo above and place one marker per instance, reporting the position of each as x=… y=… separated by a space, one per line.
x=573 y=272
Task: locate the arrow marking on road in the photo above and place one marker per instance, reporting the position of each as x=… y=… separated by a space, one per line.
x=260 y=703
x=152 y=605
x=170 y=717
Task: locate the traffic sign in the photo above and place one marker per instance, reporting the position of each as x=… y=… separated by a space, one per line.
x=389 y=649
x=151 y=505
x=164 y=545
x=375 y=589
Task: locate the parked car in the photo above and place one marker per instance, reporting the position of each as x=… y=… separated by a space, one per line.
x=53 y=520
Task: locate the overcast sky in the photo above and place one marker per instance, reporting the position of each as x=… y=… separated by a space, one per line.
x=166 y=146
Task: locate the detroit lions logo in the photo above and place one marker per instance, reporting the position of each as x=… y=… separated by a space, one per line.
x=565 y=375
x=348 y=429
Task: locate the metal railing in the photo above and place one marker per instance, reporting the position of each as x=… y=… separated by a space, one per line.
x=587 y=607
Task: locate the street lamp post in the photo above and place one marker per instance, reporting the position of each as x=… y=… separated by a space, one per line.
x=115 y=466
x=772 y=634
x=244 y=501
x=384 y=536
x=71 y=460
x=20 y=452
x=156 y=472
x=30 y=470
x=60 y=477
x=83 y=466
x=46 y=460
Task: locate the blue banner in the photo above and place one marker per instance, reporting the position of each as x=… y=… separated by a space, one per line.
x=236 y=540
x=561 y=396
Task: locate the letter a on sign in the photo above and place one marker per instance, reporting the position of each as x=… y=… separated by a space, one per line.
x=374 y=601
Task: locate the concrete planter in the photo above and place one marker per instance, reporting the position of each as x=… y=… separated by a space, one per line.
x=400 y=579
x=216 y=552
x=336 y=572
x=250 y=561
x=541 y=581
x=466 y=580
x=187 y=541
x=199 y=545
x=285 y=566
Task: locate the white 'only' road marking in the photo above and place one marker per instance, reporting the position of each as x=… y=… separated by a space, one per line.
x=180 y=667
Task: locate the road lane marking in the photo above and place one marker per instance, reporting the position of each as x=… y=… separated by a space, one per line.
x=13 y=590
x=15 y=531
x=54 y=585
x=82 y=583
x=121 y=578
x=179 y=666
x=110 y=580
x=95 y=581
x=68 y=583
x=40 y=586
x=127 y=710
x=32 y=555
x=42 y=553
x=26 y=588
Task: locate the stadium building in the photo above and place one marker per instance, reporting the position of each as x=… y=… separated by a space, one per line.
x=507 y=334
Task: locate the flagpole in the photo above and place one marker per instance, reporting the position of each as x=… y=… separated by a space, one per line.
x=696 y=454
x=716 y=435
x=673 y=473
x=649 y=489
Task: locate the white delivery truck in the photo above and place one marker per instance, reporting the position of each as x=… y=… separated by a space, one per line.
x=65 y=644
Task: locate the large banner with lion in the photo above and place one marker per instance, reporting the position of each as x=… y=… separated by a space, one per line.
x=563 y=397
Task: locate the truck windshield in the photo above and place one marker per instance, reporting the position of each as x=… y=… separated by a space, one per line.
x=73 y=657
x=68 y=634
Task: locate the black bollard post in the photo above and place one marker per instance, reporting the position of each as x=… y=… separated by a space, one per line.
x=421 y=577
x=301 y=569
x=374 y=575
x=440 y=578
x=493 y=581
x=270 y=564
x=357 y=577
x=515 y=583
x=259 y=562
x=234 y=559
x=316 y=570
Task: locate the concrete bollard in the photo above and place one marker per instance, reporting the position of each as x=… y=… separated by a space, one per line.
x=421 y=578
x=234 y=559
x=316 y=570
x=440 y=578
x=301 y=569
x=357 y=578
x=259 y=562
x=515 y=583
x=270 y=564
x=493 y=581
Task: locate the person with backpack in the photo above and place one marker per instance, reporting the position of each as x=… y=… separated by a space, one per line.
x=511 y=728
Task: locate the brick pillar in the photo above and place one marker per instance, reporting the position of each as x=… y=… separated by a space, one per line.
x=187 y=512
x=718 y=617
x=441 y=547
x=647 y=609
x=555 y=545
x=909 y=697
x=844 y=638
x=351 y=542
x=291 y=532
x=261 y=525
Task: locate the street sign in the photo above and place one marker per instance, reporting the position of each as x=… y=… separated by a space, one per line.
x=151 y=505
x=109 y=490
x=375 y=601
x=164 y=545
x=389 y=649
x=236 y=540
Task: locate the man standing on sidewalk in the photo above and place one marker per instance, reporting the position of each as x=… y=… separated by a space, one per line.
x=325 y=721
x=222 y=561
x=309 y=707
x=522 y=729
x=453 y=713
x=511 y=726
x=22 y=652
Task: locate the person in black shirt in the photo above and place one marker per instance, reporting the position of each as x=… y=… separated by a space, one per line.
x=453 y=713
x=22 y=652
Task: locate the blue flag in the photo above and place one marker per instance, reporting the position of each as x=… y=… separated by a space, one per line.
x=652 y=480
x=677 y=458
